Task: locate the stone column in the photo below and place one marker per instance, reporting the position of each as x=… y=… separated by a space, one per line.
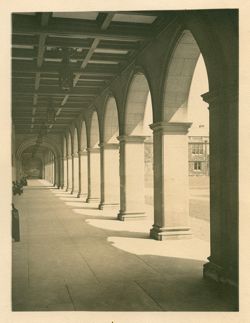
x=62 y=174
x=70 y=170
x=132 y=200
x=223 y=122
x=72 y=174
x=94 y=188
x=110 y=182
x=76 y=173
x=171 y=191
x=53 y=171
x=83 y=174
x=65 y=173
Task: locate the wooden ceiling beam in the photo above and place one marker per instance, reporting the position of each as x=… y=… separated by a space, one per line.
x=53 y=93
x=81 y=29
x=31 y=53
x=40 y=54
x=96 y=69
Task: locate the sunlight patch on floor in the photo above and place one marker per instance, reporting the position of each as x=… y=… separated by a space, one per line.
x=189 y=249
x=130 y=226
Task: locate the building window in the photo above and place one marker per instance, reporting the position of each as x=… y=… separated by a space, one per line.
x=197 y=166
x=197 y=149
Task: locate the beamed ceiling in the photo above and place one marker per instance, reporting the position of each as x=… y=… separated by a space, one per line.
x=104 y=43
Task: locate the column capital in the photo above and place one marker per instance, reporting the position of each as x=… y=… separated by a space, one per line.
x=75 y=154
x=171 y=127
x=82 y=152
x=225 y=94
x=69 y=156
x=93 y=149
x=135 y=139
x=106 y=145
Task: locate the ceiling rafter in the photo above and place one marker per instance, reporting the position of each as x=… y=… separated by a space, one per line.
x=102 y=48
x=75 y=29
x=104 y=21
x=40 y=54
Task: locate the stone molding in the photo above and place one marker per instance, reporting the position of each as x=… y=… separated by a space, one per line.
x=93 y=150
x=226 y=94
x=132 y=139
x=171 y=127
x=82 y=152
x=106 y=145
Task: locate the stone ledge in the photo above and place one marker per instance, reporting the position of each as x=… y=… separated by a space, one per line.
x=122 y=216
x=161 y=234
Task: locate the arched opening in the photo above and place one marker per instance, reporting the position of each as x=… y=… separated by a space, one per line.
x=32 y=165
x=136 y=150
x=83 y=163
x=38 y=162
x=172 y=156
x=110 y=156
x=94 y=191
x=76 y=163
x=70 y=162
x=65 y=163
x=198 y=154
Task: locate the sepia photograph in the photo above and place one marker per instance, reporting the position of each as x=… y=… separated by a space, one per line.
x=124 y=162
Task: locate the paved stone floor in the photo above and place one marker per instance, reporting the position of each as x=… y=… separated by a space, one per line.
x=74 y=257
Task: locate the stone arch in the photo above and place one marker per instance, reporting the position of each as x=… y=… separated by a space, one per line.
x=138 y=93
x=75 y=141
x=94 y=131
x=69 y=143
x=64 y=146
x=179 y=77
x=46 y=143
x=110 y=121
x=32 y=141
x=83 y=161
x=83 y=136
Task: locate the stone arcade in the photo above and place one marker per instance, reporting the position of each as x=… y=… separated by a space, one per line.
x=94 y=146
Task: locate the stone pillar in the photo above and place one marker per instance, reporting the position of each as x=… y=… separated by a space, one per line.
x=83 y=174
x=93 y=175
x=223 y=122
x=62 y=174
x=110 y=182
x=53 y=171
x=65 y=173
x=171 y=191
x=70 y=170
x=72 y=174
x=56 y=174
x=76 y=173
x=132 y=201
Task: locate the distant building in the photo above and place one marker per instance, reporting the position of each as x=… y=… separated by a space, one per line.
x=198 y=155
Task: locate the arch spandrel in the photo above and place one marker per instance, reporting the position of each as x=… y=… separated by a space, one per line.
x=83 y=136
x=137 y=98
x=110 y=122
x=94 y=131
x=75 y=142
x=179 y=77
x=32 y=141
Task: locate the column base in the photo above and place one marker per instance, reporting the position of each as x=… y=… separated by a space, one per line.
x=82 y=196
x=92 y=200
x=217 y=274
x=108 y=206
x=124 y=216
x=160 y=234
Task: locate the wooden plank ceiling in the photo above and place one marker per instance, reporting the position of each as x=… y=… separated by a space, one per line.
x=104 y=43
